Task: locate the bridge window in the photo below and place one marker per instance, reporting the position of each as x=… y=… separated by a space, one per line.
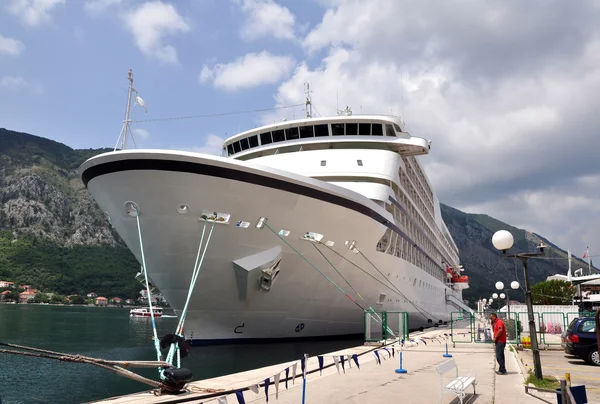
x=337 y=129
x=236 y=147
x=397 y=128
x=359 y=162
x=229 y=149
x=265 y=138
x=253 y=141
x=377 y=130
x=321 y=130
x=389 y=130
x=351 y=129
x=323 y=163
x=291 y=134
x=306 y=131
x=278 y=135
x=364 y=129
x=244 y=143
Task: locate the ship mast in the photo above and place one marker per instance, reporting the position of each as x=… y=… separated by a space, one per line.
x=126 y=129
x=308 y=103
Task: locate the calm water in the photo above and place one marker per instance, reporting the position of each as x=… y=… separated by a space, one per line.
x=109 y=333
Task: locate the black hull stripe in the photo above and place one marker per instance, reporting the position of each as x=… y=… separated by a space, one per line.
x=237 y=175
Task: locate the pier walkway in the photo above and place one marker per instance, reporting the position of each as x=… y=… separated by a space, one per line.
x=373 y=382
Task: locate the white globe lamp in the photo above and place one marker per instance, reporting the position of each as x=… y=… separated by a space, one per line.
x=502 y=296
x=502 y=240
x=495 y=295
x=499 y=285
x=484 y=300
x=515 y=285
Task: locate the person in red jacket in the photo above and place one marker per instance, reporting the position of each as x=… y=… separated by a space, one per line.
x=499 y=341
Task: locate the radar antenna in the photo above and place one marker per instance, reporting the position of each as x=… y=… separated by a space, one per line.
x=346 y=112
x=308 y=103
x=126 y=129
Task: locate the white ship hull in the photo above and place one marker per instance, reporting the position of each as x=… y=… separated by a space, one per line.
x=225 y=305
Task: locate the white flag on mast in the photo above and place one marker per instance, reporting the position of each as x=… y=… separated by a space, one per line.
x=140 y=102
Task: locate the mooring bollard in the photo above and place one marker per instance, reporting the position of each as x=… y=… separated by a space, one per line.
x=400 y=370
x=447 y=355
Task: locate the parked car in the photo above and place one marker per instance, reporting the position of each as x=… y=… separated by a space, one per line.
x=581 y=340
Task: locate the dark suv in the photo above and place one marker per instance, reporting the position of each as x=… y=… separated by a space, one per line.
x=581 y=340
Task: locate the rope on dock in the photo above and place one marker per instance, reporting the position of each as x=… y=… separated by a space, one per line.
x=114 y=366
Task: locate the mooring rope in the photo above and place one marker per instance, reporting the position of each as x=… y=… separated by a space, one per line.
x=314 y=266
x=113 y=366
x=391 y=283
x=149 y=295
x=352 y=287
x=393 y=289
x=174 y=349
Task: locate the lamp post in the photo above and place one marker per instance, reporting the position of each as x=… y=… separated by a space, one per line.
x=500 y=286
x=503 y=240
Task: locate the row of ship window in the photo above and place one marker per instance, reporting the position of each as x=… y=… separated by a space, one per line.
x=309 y=131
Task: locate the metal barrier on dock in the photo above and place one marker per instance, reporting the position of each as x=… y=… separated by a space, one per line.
x=382 y=325
x=549 y=326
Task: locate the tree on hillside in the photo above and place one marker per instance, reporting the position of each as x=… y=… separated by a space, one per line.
x=553 y=292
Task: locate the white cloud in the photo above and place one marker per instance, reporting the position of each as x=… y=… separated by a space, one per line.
x=150 y=23
x=248 y=71
x=212 y=145
x=13 y=82
x=265 y=18
x=496 y=96
x=34 y=12
x=10 y=46
x=99 y=6
x=140 y=133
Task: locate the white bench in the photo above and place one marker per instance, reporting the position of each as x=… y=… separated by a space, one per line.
x=455 y=384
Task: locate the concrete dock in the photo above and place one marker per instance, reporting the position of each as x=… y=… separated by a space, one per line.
x=372 y=383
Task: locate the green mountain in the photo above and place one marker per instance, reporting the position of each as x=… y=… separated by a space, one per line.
x=52 y=234
x=485 y=265
x=54 y=237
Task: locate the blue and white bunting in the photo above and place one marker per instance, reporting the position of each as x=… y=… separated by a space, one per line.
x=267 y=382
x=240 y=397
x=276 y=382
x=355 y=358
x=287 y=375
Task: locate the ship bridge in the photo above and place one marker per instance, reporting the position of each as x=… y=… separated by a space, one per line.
x=339 y=132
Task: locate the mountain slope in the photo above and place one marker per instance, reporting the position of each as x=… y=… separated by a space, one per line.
x=485 y=265
x=54 y=236
x=52 y=233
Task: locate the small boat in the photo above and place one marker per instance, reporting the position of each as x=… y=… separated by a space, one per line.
x=145 y=312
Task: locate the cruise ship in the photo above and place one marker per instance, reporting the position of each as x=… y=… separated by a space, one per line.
x=304 y=225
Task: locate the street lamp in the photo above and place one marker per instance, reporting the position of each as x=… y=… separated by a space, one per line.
x=500 y=286
x=503 y=240
x=495 y=295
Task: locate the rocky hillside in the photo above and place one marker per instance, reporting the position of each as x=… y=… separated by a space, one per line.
x=53 y=236
x=485 y=265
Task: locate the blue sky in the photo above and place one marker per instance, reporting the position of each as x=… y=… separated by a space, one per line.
x=67 y=81
x=508 y=92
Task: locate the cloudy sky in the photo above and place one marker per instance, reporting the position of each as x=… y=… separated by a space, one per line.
x=508 y=91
